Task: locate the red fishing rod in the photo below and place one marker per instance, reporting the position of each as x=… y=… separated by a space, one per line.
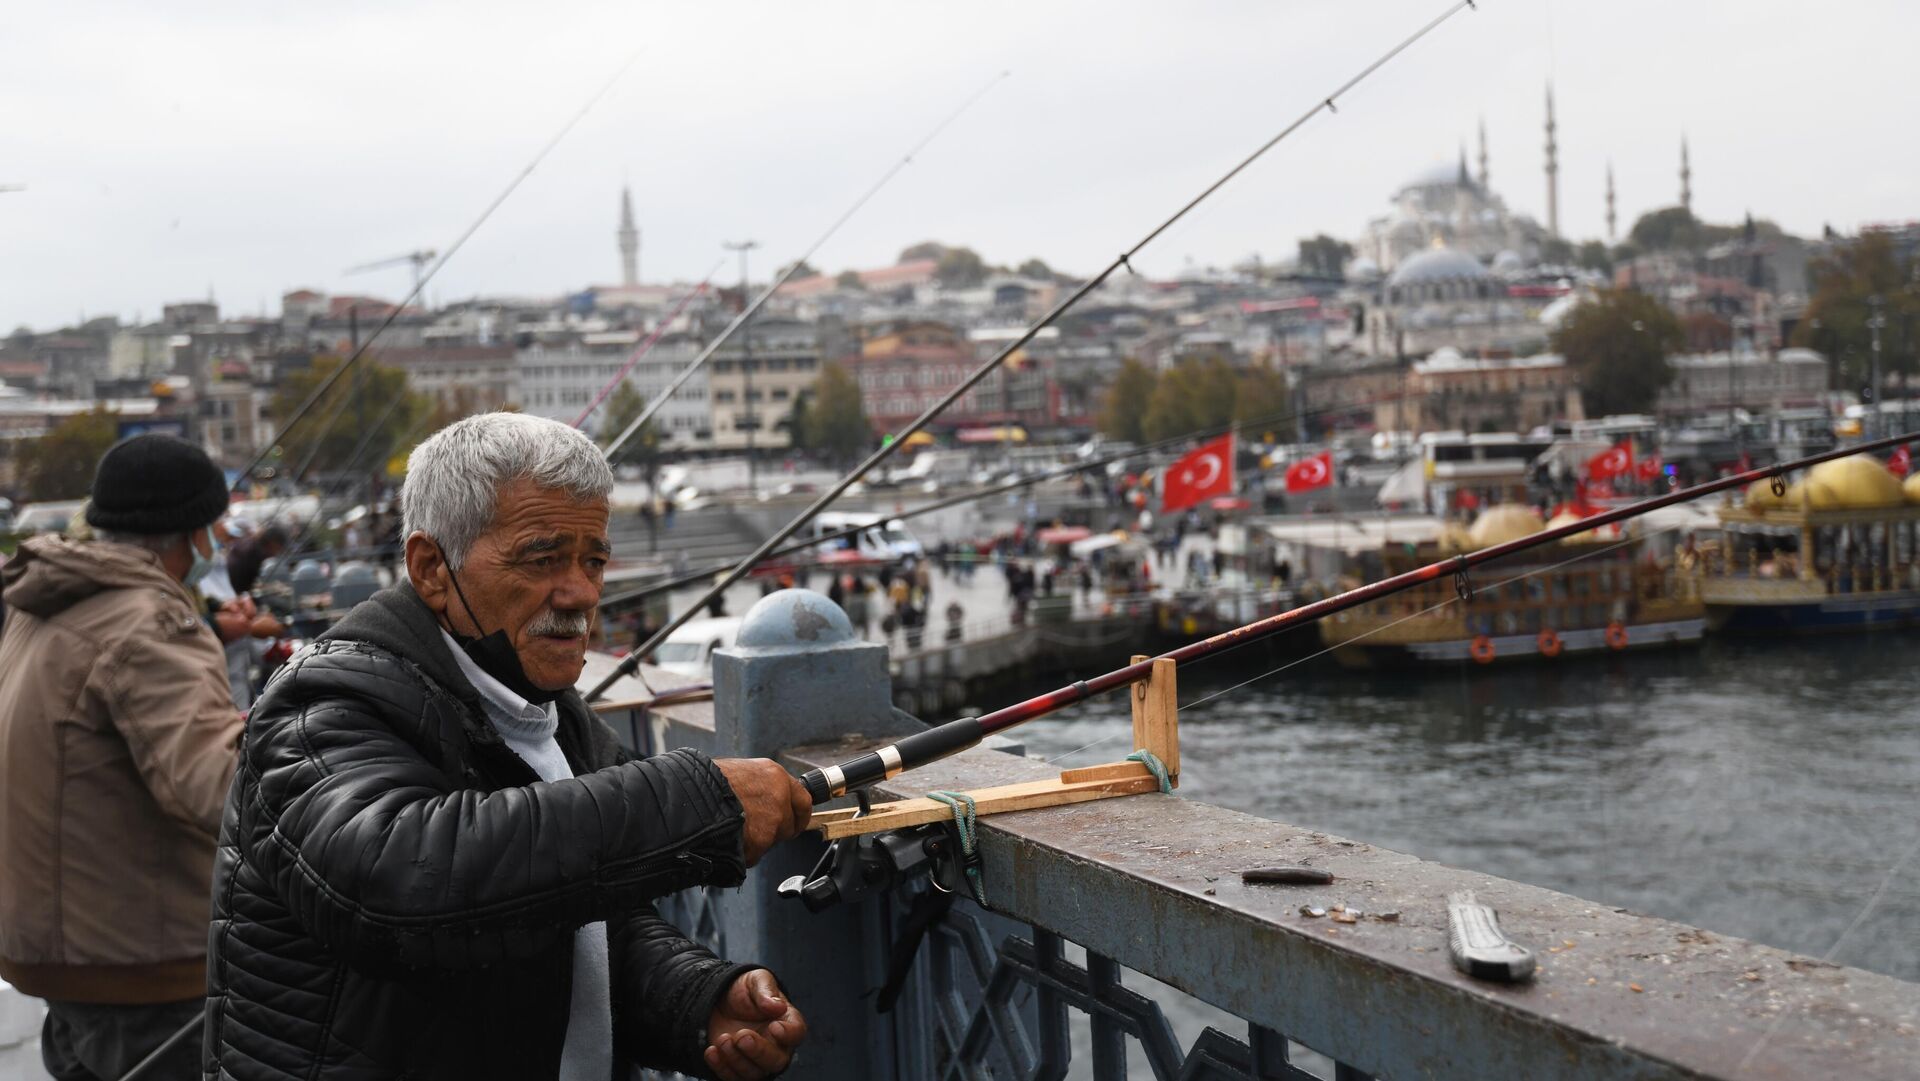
x=954 y=736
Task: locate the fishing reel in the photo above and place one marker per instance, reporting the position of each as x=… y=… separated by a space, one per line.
x=853 y=867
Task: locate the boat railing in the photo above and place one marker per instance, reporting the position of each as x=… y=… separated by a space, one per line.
x=1119 y=935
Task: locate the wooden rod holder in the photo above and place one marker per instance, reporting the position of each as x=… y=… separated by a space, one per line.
x=1156 y=728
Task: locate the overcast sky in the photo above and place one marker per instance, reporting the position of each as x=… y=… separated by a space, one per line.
x=250 y=148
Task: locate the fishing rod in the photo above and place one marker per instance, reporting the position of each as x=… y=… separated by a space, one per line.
x=989 y=492
x=647 y=345
x=313 y=397
x=1124 y=259
x=954 y=736
x=780 y=279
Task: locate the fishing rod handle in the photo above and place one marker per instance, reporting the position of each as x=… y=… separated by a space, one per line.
x=881 y=763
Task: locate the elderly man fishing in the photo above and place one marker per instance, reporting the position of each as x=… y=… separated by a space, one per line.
x=435 y=862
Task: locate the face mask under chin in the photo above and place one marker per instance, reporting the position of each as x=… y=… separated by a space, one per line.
x=494 y=653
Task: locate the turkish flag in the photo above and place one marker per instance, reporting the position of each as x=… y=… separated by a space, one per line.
x=1649 y=469
x=1615 y=461
x=1901 y=462
x=1204 y=472
x=1309 y=473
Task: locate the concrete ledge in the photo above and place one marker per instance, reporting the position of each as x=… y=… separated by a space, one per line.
x=1153 y=882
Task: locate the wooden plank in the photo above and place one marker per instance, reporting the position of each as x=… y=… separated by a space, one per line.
x=1156 y=716
x=1104 y=772
x=1051 y=792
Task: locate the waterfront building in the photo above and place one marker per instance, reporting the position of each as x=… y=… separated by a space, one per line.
x=463 y=379
x=560 y=381
x=754 y=379
x=1711 y=383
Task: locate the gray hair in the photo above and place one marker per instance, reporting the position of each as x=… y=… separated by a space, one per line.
x=158 y=543
x=454 y=479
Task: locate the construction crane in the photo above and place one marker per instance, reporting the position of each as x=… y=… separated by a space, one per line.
x=419 y=259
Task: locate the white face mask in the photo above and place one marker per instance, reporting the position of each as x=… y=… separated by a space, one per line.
x=201 y=563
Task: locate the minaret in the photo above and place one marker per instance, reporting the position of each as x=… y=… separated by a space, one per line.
x=1686 y=178
x=1610 y=218
x=1483 y=155
x=1553 y=172
x=629 y=241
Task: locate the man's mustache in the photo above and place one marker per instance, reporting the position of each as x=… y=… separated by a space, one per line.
x=560 y=624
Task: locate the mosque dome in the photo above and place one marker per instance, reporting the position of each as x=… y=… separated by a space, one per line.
x=1854 y=483
x=1439 y=174
x=1438 y=265
x=1508 y=521
x=1760 y=496
x=1508 y=262
x=1363 y=269
x=1912 y=488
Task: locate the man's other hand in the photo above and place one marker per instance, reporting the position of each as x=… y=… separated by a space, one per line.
x=233 y=620
x=776 y=803
x=752 y=1033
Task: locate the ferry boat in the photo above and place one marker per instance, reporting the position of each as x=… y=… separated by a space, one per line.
x=1837 y=551
x=1552 y=606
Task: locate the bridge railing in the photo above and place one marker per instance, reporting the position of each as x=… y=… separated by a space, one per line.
x=1101 y=918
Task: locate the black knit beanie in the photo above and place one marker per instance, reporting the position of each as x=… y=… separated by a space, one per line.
x=154 y=485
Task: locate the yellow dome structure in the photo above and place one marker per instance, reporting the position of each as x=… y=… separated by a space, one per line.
x=1506 y=522
x=1454 y=539
x=1567 y=517
x=1856 y=483
x=1912 y=488
x=1760 y=496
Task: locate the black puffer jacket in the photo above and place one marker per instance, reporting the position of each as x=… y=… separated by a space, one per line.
x=396 y=892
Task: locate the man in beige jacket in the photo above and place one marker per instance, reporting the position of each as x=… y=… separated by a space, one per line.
x=118 y=741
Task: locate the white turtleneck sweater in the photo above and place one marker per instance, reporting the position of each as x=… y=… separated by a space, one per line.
x=530 y=729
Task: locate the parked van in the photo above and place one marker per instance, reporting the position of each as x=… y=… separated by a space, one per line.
x=689 y=650
x=885 y=540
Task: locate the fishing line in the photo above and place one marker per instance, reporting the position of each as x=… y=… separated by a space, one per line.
x=1873 y=902
x=781 y=278
x=1422 y=612
x=420 y=286
x=1020 y=342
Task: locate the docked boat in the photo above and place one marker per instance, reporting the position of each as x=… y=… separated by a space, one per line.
x=1588 y=594
x=1837 y=551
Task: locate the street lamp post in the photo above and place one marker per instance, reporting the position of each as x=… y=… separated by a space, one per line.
x=746 y=361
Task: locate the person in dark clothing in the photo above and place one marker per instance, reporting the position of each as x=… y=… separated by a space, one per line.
x=435 y=861
x=246 y=556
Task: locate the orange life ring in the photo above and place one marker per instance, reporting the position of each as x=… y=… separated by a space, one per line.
x=1549 y=643
x=1616 y=636
x=1481 y=649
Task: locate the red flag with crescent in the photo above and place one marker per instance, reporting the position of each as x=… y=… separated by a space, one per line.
x=1615 y=461
x=1205 y=472
x=1309 y=473
x=1650 y=468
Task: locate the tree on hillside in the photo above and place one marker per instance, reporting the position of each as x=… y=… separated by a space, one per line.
x=836 y=422
x=60 y=464
x=802 y=272
x=1324 y=257
x=1191 y=396
x=1671 y=229
x=1261 y=395
x=1036 y=269
x=926 y=249
x=1556 y=251
x=849 y=279
x=358 y=399
x=1123 y=409
x=1845 y=281
x=1617 y=347
x=961 y=268
x=1593 y=255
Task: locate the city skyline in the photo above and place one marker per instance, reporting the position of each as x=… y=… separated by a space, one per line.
x=348 y=146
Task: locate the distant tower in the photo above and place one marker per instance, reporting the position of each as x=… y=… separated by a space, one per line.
x=629 y=241
x=1610 y=218
x=1553 y=172
x=1483 y=154
x=1686 y=178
